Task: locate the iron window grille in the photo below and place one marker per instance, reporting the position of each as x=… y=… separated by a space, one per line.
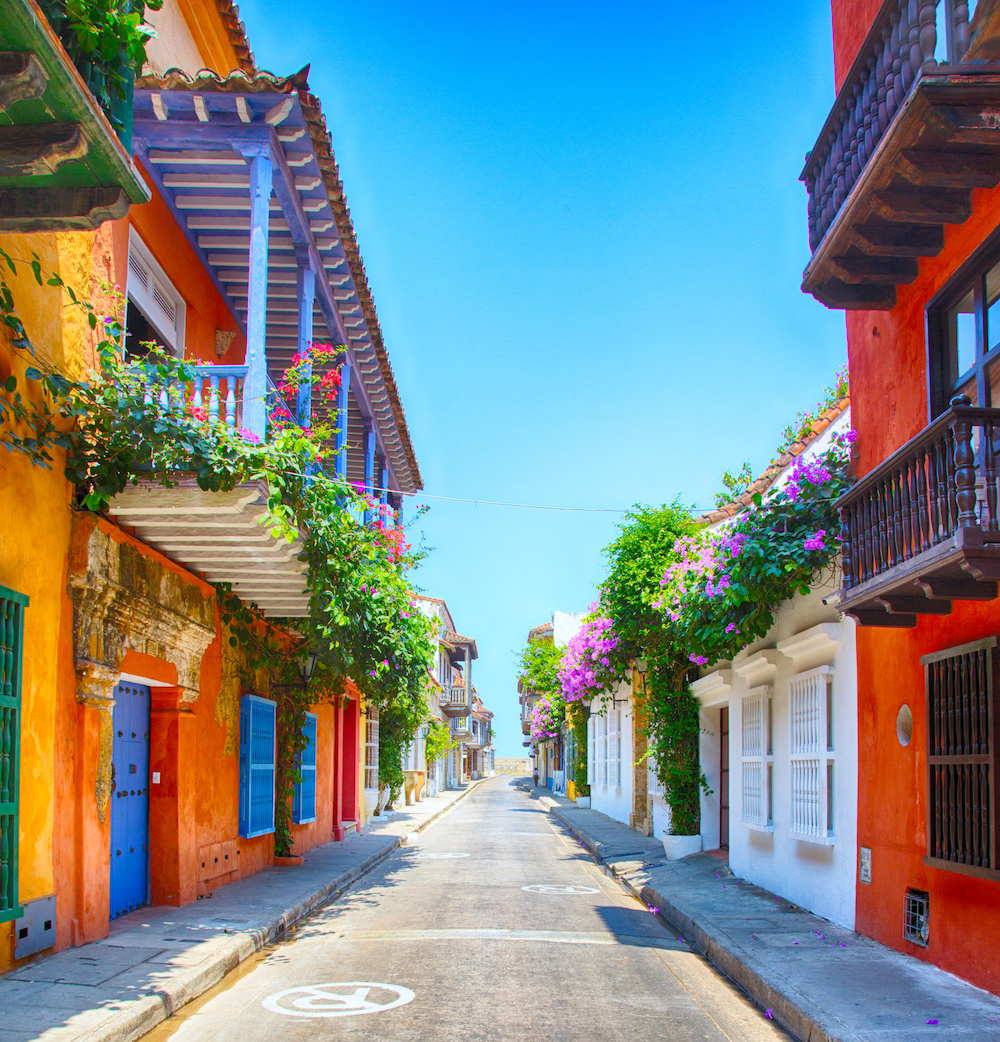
x=757 y=759
x=962 y=741
x=371 y=750
x=916 y=917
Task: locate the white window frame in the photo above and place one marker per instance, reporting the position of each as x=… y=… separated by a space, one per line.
x=757 y=760
x=371 y=749
x=602 y=751
x=811 y=756
x=615 y=749
x=146 y=282
x=591 y=749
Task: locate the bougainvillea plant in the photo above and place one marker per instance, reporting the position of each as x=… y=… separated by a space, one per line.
x=587 y=668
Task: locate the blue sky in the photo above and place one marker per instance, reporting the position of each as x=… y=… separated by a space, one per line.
x=584 y=232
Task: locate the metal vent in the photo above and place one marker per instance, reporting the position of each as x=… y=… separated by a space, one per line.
x=916 y=917
x=35 y=930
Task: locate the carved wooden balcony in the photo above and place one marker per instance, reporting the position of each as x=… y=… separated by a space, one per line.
x=454 y=701
x=915 y=128
x=62 y=166
x=923 y=529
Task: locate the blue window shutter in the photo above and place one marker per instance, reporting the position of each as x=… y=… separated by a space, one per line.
x=257 y=765
x=304 y=800
x=12 y=606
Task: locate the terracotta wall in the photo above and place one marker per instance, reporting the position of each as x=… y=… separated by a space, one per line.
x=851 y=21
x=887 y=352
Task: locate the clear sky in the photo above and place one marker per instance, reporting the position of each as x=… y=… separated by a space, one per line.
x=585 y=233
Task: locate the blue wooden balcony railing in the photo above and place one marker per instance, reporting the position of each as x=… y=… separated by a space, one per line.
x=908 y=38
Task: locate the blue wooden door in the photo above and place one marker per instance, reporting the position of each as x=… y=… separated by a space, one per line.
x=130 y=799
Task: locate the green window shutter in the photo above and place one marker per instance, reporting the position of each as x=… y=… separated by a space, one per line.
x=12 y=607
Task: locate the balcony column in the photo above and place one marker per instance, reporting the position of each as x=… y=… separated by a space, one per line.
x=343 y=400
x=468 y=675
x=305 y=292
x=369 y=465
x=255 y=387
x=383 y=481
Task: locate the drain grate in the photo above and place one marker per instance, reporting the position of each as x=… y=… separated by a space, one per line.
x=916 y=917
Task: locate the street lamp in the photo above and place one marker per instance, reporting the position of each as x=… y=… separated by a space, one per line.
x=306 y=665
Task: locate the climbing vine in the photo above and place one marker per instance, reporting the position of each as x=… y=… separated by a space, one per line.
x=130 y=422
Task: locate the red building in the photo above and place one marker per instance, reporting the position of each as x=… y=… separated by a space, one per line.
x=904 y=221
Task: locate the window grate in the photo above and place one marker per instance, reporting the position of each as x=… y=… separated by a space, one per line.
x=756 y=758
x=916 y=917
x=12 y=607
x=961 y=749
x=371 y=750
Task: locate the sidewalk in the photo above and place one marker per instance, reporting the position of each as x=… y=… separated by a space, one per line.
x=158 y=959
x=822 y=983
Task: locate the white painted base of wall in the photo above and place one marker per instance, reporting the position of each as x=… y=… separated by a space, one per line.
x=676 y=847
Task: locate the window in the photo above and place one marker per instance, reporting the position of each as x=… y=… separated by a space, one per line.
x=304 y=794
x=12 y=607
x=257 y=720
x=155 y=310
x=602 y=750
x=964 y=327
x=961 y=758
x=810 y=710
x=757 y=759
x=615 y=748
x=591 y=750
x=371 y=749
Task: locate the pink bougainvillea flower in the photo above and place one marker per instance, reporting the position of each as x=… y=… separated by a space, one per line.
x=769 y=1014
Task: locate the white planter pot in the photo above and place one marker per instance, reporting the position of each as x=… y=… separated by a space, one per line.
x=676 y=847
x=583 y=801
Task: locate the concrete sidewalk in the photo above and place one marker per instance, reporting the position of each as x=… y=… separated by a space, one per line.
x=821 y=982
x=158 y=959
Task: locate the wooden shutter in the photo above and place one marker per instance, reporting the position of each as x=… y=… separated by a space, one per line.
x=756 y=759
x=962 y=740
x=810 y=754
x=257 y=763
x=304 y=795
x=12 y=607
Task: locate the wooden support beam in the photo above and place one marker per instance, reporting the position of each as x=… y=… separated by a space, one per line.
x=902 y=604
x=60 y=209
x=893 y=271
x=836 y=293
x=891 y=239
x=874 y=617
x=959 y=590
x=924 y=205
x=21 y=77
x=31 y=149
x=937 y=169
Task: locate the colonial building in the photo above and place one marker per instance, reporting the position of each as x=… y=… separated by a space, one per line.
x=146 y=767
x=904 y=213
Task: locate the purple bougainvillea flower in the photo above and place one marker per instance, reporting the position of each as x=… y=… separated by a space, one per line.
x=931 y=1021
x=654 y=910
x=769 y=1014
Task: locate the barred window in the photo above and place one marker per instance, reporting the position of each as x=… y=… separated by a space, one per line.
x=961 y=688
x=757 y=759
x=810 y=697
x=371 y=749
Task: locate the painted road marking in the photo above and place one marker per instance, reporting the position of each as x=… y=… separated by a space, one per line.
x=550 y=936
x=336 y=999
x=559 y=888
x=425 y=857
x=532 y=833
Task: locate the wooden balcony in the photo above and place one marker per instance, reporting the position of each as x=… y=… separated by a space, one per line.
x=923 y=530
x=454 y=701
x=914 y=129
x=62 y=166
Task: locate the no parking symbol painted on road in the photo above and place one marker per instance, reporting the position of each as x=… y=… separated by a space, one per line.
x=559 y=888
x=348 y=999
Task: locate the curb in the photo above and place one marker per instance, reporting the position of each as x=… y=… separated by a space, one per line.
x=135 y=1021
x=786 y=1012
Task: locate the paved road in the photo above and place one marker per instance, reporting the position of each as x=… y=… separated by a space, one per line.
x=451 y=930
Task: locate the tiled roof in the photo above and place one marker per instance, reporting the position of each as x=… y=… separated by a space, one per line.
x=776 y=466
x=242 y=82
x=237 y=35
x=456 y=638
x=539 y=632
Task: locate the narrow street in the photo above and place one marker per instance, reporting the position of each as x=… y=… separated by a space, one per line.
x=496 y=925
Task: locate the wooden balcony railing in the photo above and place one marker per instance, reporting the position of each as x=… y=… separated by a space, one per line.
x=923 y=528
x=904 y=41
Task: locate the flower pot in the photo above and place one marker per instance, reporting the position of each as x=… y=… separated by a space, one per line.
x=370 y=797
x=287 y=862
x=583 y=801
x=409 y=787
x=676 y=847
x=418 y=791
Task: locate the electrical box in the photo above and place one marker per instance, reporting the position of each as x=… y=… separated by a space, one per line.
x=36 y=929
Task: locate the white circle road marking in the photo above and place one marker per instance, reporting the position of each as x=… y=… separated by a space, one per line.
x=424 y=857
x=559 y=888
x=321 y=1000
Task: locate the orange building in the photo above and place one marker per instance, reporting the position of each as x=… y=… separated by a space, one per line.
x=904 y=213
x=146 y=765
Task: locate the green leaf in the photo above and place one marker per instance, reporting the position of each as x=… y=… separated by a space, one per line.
x=10 y=384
